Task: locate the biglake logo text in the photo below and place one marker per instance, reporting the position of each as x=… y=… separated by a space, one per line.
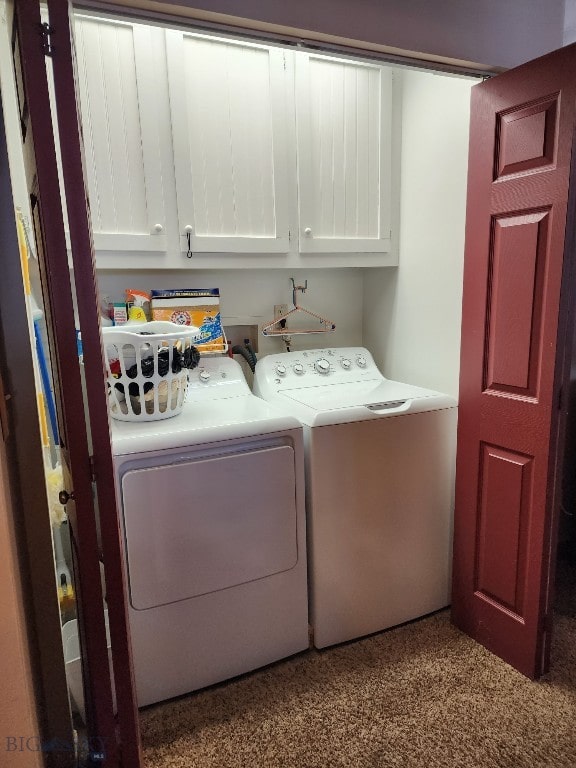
x=94 y=747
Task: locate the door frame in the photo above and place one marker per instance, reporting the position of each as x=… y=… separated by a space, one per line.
x=32 y=522
x=138 y=10
x=565 y=359
x=86 y=289
x=218 y=23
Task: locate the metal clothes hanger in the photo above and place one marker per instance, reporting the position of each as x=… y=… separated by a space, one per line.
x=325 y=326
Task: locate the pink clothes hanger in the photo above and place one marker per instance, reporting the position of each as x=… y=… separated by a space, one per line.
x=278 y=327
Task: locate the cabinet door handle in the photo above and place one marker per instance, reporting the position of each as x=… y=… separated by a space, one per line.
x=188 y=231
x=158 y=227
x=308 y=231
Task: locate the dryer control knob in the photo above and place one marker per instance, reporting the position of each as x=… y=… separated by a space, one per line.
x=322 y=365
x=298 y=368
x=281 y=369
x=204 y=376
x=345 y=363
x=361 y=362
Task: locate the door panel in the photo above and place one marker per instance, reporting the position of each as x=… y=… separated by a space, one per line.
x=505 y=480
x=229 y=134
x=519 y=173
x=116 y=69
x=209 y=540
x=344 y=155
x=518 y=266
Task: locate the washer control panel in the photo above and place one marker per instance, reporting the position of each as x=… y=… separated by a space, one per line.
x=316 y=366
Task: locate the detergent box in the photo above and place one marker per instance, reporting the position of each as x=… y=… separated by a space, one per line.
x=192 y=306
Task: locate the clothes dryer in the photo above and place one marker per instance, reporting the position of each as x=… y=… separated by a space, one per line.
x=213 y=518
x=380 y=458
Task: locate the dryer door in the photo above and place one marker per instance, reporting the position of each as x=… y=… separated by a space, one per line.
x=208 y=522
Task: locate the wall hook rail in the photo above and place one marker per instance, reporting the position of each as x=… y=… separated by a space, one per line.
x=296 y=288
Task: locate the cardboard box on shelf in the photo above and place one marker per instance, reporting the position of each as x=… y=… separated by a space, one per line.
x=193 y=306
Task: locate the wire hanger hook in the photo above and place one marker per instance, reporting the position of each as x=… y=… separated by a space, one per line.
x=296 y=288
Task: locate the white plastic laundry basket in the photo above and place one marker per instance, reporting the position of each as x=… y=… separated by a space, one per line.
x=146 y=381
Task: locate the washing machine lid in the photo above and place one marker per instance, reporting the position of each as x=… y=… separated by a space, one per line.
x=203 y=421
x=360 y=401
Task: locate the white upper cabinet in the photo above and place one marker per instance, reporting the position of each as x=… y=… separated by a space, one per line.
x=343 y=111
x=228 y=111
x=218 y=148
x=117 y=83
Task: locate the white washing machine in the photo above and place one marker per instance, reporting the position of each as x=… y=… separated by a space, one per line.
x=213 y=517
x=380 y=458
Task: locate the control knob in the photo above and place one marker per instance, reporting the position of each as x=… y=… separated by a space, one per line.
x=345 y=363
x=204 y=375
x=281 y=369
x=322 y=365
x=298 y=368
x=361 y=362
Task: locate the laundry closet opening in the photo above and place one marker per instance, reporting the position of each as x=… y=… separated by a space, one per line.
x=275 y=162
x=222 y=162
x=215 y=161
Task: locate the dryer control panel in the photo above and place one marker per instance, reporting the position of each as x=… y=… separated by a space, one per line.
x=216 y=377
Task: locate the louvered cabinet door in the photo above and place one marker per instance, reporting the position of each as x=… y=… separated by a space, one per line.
x=117 y=85
x=228 y=107
x=344 y=119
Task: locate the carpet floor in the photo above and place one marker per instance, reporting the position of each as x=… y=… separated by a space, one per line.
x=423 y=695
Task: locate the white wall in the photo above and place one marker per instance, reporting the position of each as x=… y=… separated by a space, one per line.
x=249 y=296
x=408 y=317
x=412 y=313
x=569 y=22
x=499 y=33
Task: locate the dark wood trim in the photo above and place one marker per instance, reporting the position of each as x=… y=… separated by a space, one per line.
x=88 y=312
x=238 y=27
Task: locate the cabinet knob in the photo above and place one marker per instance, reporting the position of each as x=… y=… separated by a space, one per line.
x=307 y=231
x=188 y=229
x=158 y=227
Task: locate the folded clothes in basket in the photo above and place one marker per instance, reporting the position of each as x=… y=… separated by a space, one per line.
x=163 y=395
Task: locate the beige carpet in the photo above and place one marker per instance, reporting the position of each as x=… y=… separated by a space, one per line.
x=422 y=695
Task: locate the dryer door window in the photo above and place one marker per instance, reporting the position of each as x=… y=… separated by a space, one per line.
x=209 y=523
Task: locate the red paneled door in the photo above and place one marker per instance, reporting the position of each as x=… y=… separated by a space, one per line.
x=517 y=316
